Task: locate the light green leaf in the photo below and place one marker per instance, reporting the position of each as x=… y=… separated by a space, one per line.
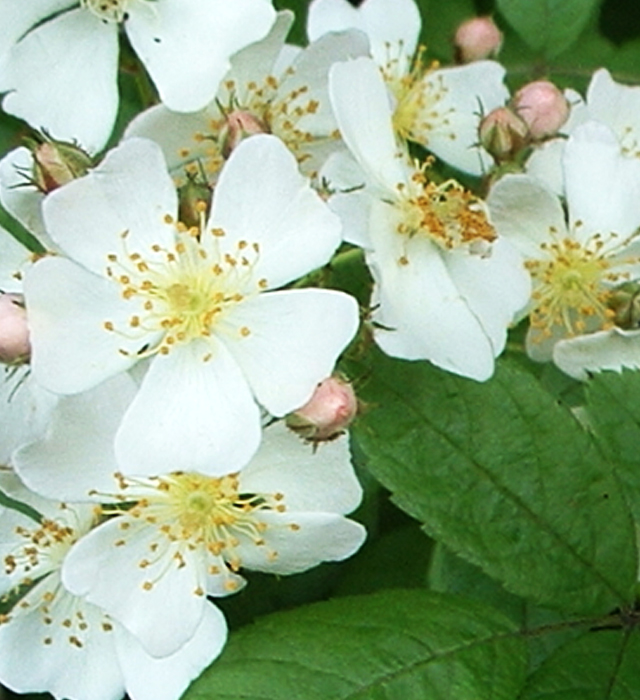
x=600 y=665
x=548 y=26
x=506 y=478
x=614 y=412
x=396 y=645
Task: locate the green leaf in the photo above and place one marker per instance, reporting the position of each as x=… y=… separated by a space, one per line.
x=600 y=665
x=614 y=412
x=505 y=477
x=439 y=23
x=396 y=645
x=548 y=26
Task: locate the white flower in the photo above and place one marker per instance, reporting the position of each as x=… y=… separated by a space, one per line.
x=446 y=288
x=292 y=105
x=195 y=305
x=611 y=103
x=52 y=641
x=439 y=108
x=59 y=61
x=186 y=535
x=576 y=265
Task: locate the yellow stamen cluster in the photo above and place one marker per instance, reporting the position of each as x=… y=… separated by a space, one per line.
x=196 y=512
x=417 y=96
x=447 y=213
x=281 y=113
x=181 y=293
x=572 y=285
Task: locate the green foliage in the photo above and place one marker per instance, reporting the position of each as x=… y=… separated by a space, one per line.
x=548 y=26
x=506 y=478
x=395 y=645
x=599 y=665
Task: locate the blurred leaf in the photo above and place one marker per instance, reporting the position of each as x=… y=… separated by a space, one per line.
x=506 y=478
x=396 y=645
x=399 y=559
x=601 y=665
x=298 y=33
x=439 y=23
x=548 y=26
x=614 y=412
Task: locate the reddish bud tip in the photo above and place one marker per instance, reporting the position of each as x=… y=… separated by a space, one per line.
x=477 y=39
x=14 y=331
x=543 y=107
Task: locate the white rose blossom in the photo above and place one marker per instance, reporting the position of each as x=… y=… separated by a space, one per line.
x=53 y=641
x=59 y=58
x=197 y=306
x=186 y=535
x=446 y=287
x=256 y=96
x=577 y=262
x=439 y=108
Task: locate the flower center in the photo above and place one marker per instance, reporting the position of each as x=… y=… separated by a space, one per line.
x=417 y=96
x=571 y=287
x=182 y=294
x=208 y=514
x=107 y=10
x=447 y=213
x=265 y=103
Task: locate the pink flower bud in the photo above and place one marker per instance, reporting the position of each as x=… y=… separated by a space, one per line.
x=503 y=134
x=239 y=125
x=328 y=413
x=56 y=162
x=477 y=39
x=14 y=332
x=543 y=107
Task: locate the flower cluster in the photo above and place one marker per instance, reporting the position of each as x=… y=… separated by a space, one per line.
x=174 y=342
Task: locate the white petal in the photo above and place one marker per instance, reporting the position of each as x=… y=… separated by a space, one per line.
x=617 y=106
x=361 y=105
x=14 y=257
x=606 y=350
x=73 y=54
x=130 y=191
x=525 y=212
x=29 y=664
x=311 y=73
x=75 y=461
x=109 y=575
x=68 y=307
x=349 y=199
x=18 y=17
x=603 y=187
x=174 y=39
x=311 y=478
x=174 y=132
x=21 y=199
x=423 y=316
x=191 y=414
x=257 y=61
x=294 y=340
x=25 y=410
x=300 y=541
x=149 y=678
x=495 y=287
x=467 y=93
x=395 y=22
x=545 y=164
x=262 y=198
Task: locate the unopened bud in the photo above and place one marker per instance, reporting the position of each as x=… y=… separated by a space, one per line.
x=238 y=126
x=624 y=305
x=543 y=107
x=194 y=202
x=503 y=134
x=328 y=413
x=477 y=39
x=14 y=332
x=56 y=162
